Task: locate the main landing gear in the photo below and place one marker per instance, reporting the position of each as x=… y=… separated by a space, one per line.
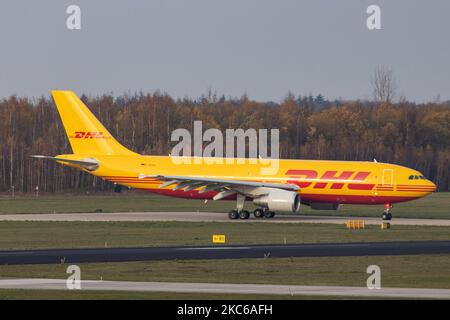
x=243 y=214
x=263 y=213
x=240 y=213
x=387 y=215
x=258 y=214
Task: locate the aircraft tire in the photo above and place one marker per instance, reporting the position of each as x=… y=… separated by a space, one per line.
x=244 y=214
x=386 y=216
x=269 y=214
x=258 y=213
x=233 y=214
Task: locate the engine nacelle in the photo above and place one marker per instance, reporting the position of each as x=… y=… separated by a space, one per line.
x=279 y=200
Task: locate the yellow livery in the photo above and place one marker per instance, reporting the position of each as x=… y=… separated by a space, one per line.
x=317 y=183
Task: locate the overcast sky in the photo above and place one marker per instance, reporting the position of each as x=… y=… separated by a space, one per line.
x=262 y=48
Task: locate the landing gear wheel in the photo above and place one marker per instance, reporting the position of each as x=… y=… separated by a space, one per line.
x=269 y=214
x=258 y=213
x=233 y=214
x=387 y=216
x=244 y=214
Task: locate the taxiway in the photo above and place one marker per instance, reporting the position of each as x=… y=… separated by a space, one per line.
x=209 y=217
x=84 y=255
x=60 y=284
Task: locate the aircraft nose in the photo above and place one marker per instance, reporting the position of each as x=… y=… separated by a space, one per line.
x=433 y=187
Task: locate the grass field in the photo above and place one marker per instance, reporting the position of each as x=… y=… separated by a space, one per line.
x=397 y=271
x=422 y=271
x=33 y=235
x=18 y=294
x=436 y=205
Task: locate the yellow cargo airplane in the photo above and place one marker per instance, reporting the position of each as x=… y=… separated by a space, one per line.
x=319 y=184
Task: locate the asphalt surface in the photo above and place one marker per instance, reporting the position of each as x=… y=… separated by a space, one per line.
x=227 y=288
x=52 y=256
x=210 y=217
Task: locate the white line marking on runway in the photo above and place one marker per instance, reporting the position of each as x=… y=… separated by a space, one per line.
x=227 y=288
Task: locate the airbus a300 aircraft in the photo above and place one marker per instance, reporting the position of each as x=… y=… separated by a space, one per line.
x=319 y=184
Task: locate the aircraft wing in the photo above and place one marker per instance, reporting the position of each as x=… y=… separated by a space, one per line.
x=225 y=186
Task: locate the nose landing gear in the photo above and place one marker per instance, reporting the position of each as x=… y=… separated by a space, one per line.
x=387 y=215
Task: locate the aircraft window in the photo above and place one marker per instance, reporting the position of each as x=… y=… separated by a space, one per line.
x=423 y=178
x=411 y=177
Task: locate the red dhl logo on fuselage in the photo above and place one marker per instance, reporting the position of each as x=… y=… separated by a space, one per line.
x=88 y=135
x=307 y=178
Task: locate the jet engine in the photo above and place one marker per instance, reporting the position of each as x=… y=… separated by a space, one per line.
x=279 y=200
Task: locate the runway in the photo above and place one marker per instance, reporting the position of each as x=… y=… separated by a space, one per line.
x=58 y=256
x=60 y=284
x=209 y=217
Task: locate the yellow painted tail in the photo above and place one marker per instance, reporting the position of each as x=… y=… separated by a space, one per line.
x=86 y=134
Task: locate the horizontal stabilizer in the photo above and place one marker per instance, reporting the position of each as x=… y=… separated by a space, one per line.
x=90 y=164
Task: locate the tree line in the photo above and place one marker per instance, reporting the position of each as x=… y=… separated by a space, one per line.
x=405 y=133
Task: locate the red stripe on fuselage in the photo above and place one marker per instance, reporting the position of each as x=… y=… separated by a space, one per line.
x=361 y=176
x=307 y=198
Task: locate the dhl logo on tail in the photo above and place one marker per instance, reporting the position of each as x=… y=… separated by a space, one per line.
x=88 y=135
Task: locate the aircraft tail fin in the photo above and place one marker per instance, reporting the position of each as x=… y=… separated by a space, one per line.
x=85 y=132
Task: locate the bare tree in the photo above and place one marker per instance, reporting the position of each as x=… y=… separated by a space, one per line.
x=383 y=84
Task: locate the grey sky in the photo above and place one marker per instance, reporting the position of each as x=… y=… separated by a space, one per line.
x=262 y=48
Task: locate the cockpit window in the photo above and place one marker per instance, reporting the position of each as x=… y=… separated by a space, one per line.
x=414 y=177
